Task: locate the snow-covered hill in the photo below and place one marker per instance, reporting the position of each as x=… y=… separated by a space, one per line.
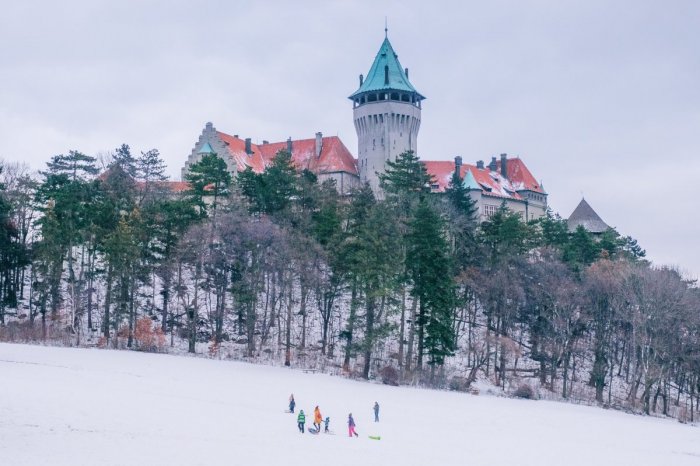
x=75 y=407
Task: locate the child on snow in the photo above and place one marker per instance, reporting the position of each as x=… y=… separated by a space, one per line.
x=351 y=426
x=317 y=419
x=301 y=420
x=326 y=422
x=376 y=412
x=292 y=403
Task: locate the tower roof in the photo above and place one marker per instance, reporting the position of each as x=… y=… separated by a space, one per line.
x=206 y=149
x=378 y=79
x=470 y=182
x=585 y=216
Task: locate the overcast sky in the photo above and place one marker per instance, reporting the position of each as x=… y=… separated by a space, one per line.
x=600 y=98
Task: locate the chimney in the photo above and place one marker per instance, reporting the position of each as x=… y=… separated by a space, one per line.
x=406 y=70
x=248 y=148
x=289 y=144
x=266 y=142
x=504 y=171
x=319 y=143
x=235 y=136
x=386 y=75
x=209 y=126
x=362 y=79
x=480 y=164
x=492 y=165
x=458 y=165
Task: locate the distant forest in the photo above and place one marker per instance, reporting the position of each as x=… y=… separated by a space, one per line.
x=278 y=268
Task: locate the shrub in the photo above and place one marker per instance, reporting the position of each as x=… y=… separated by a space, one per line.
x=148 y=338
x=459 y=384
x=525 y=391
x=390 y=376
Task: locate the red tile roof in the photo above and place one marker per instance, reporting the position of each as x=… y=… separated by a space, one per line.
x=492 y=182
x=236 y=149
x=334 y=157
x=520 y=176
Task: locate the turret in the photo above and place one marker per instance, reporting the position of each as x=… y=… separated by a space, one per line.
x=387 y=115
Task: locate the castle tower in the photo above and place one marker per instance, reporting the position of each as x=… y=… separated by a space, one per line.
x=386 y=111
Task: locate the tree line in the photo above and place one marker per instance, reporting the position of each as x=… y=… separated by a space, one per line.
x=409 y=288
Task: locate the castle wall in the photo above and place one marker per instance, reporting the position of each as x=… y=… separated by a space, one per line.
x=209 y=135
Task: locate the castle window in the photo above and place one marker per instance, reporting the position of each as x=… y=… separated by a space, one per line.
x=372 y=98
x=404 y=98
x=382 y=96
x=489 y=210
x=394 y=96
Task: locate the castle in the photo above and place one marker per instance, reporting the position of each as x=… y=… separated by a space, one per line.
x=387 y=117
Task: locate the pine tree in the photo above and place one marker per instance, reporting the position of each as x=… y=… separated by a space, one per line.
x=209 y=178
x=461 y=211
x=123 y=158
x=458 y=196
x=66 y=196
x=405 y=175
x=13 y=255
x=429 y=268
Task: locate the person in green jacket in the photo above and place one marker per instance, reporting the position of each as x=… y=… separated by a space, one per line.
x=301 y=420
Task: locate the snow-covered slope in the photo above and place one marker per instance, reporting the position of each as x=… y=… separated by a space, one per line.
x=74 y=407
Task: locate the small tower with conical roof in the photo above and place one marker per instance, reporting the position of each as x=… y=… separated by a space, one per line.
x=584 y=215
x=386 y=111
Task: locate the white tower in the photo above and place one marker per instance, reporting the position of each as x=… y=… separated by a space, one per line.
x=386 y=110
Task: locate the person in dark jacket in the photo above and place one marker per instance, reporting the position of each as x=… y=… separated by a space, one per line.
x=301 y=421
x=326 y=422
x=376 y=412
x=292 y=403
x=351 y=426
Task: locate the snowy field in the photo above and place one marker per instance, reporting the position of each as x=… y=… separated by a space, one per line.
x=72 y=407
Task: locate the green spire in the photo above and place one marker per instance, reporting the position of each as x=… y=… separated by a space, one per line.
x=470 y=182
x=386 y=73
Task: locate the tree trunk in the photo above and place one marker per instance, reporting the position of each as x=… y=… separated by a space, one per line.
x=302 y=311
x=369 y=336
x=411 y=335
x=108 y=302
x=402 y=328
x=350 y=328
x=288 y=330
x=165 y=292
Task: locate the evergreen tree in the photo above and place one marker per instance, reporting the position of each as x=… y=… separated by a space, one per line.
x=123 y=158
x=582 y=249
x=553 y=230
x=505 y=236
x=405 y=175
x=458 y=196
x=273 y=191
x=13 y=255
x=209 y=178
x=66 y=198
x=429 y=268
x=461 y=213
